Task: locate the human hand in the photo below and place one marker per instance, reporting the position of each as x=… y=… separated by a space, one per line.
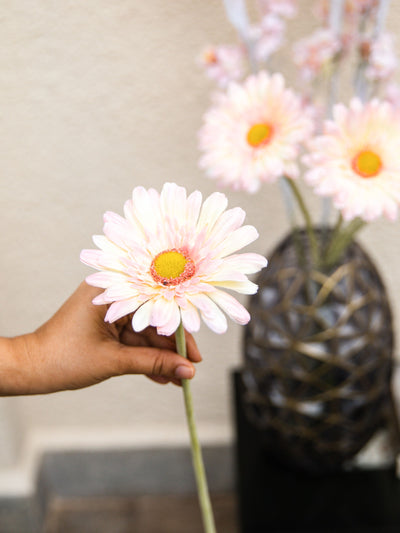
x=76 y=349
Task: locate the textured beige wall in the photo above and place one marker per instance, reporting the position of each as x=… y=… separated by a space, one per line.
x=97 y=97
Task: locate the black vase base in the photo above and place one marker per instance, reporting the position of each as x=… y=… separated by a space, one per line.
x=275 y=498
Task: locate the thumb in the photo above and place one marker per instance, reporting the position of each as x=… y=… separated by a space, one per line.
x=154 y=362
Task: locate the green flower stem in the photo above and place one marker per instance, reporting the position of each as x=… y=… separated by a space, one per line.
x=307 y=218
x=341 y=238
x=198 y=465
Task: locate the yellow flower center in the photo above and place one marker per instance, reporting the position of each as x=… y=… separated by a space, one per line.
x=367 y=164
x=259 y=134
x=172 y=267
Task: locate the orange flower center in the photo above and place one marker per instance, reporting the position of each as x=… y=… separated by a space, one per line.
x=259 y=134
x=367 y=164
x=210 y=57
x=172 y=267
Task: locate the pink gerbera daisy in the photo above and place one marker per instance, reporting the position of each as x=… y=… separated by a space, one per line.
x=357 y=162
x=253 y=132
x=169 y=257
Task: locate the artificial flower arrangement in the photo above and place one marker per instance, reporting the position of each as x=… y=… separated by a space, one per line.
x=259 y=131
x=319 y=348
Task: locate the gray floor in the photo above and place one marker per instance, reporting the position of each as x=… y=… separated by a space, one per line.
x=139 y=514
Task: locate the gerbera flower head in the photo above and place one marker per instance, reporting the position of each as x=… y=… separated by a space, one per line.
x=382 y=59
x=281 y=8
x=311 y=54
x=267 y=37
x=223 y=64
x=356 y=160
x=253 y=132
x=169 y=258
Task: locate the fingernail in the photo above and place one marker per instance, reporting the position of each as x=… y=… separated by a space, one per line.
x=184 y=372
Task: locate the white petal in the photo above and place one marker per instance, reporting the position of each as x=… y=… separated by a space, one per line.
x=122 y=308
x=243 y=287
x=228 y=222
x=238 y=239
x=212 y=209
x=210 y=312
x=231 y=307
x=121 y=291
x=190 y=318
x=146 y=209
x=173 y=323
x=248 y=263
x=162 y=311
x=173 y=203
x=141 y=318
x=193 y=206
x=105 y=244
x=225 y=274
x=105 y=279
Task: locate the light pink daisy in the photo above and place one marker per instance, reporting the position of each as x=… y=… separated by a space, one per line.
x=253 y=132
x=382 y=59
x=169 y=257
x=267 y=37
x=282 y=8
x=314 y=52
x=392 y=94
x=223 y=63
x=356 y=161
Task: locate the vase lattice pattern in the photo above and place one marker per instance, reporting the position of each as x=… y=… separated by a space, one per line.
x=318 y=356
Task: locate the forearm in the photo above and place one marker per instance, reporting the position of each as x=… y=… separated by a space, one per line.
x=15 y=365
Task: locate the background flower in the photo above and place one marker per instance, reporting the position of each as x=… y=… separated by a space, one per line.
x=167 y=258
x=382 y=60
x=311 y=54
x=253 y=132
x=223 y=64
x=356 y=160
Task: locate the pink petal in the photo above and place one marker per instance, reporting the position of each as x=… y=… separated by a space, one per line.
x=91 y=258
x=101 y=299
x=100 y=260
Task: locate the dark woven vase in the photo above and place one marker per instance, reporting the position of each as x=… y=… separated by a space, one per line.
x=318 y=356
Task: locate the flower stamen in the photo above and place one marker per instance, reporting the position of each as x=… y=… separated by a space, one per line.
x=367 y=164
x=172 y=267
x=259 y=135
